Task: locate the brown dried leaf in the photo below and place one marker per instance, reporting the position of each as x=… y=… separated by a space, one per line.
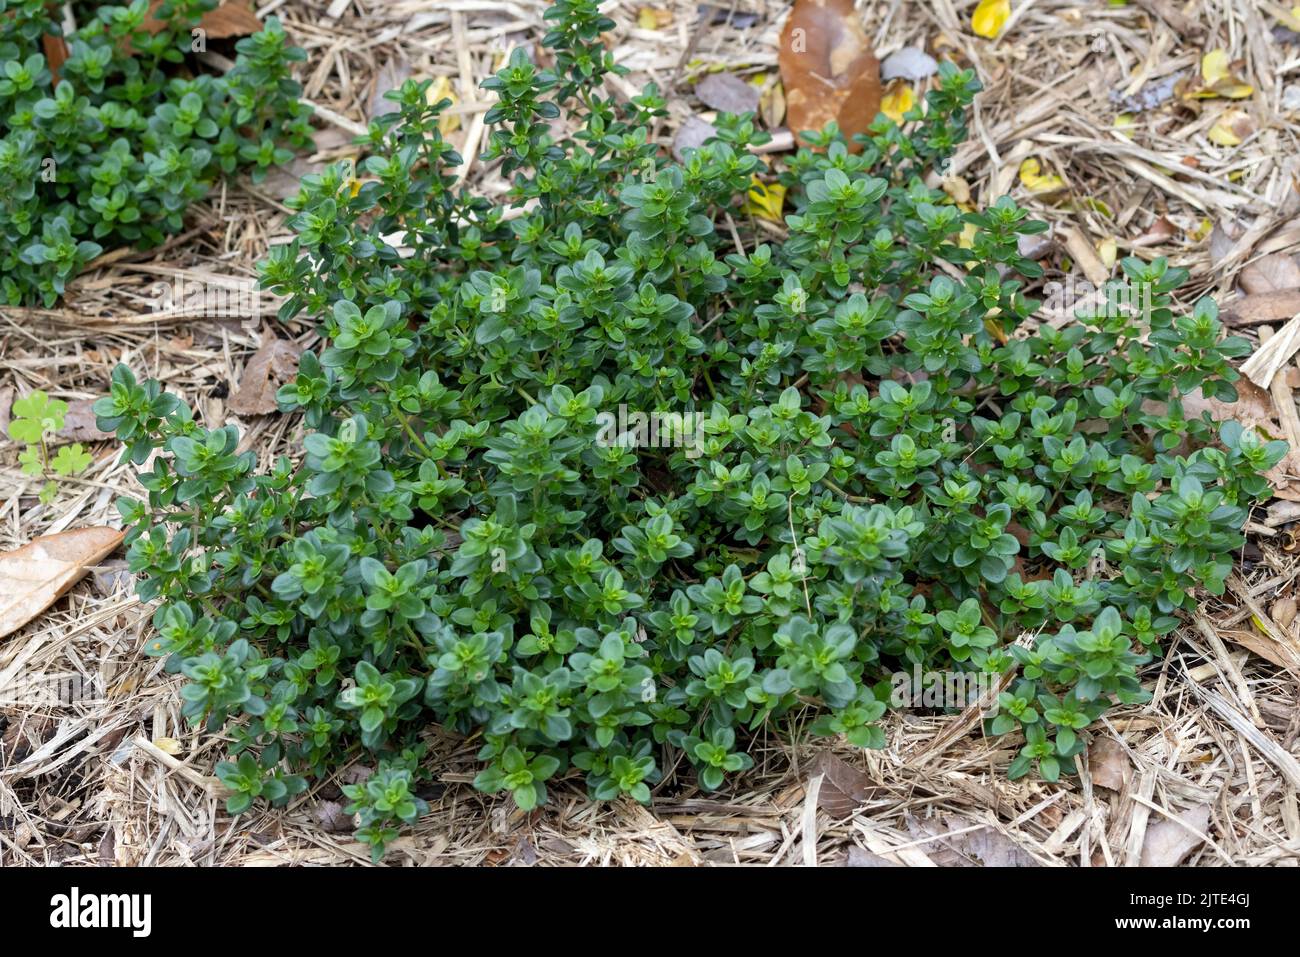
x=949 y=844
x=727 y=93
x=1223 y=237
x=332 y=144
x=1284 y=612
x=1268 y=649
x=36 y=575
x=1160 y=231
x=1170 y=840
x=1254 y=407
x=1109 y=764
x=269 y=368
x=234 y=18
x=332 y=818
x=1263 y=307
x=843 y=788
x=1273 y=273
x=828 y=68
x=860 y=857
x=79 y=423
x=56 y=54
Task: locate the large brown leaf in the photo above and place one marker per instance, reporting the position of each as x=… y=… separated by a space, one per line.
x=36 y=575
x=1170 y=840
x=843 y=788
x=234 y=18
x=56 y=54
x=269 y=367
x=828 y=68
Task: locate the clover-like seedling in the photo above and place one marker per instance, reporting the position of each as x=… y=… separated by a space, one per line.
x=36 y=420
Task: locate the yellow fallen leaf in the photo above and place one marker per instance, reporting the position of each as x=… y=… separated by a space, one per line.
x=1218 y=81
x=898 y=100
x=1203 y=229
x=439 y=90
x=1096 y=205
x=1108 y=250
x=967 y=238
x=1220 y=135
x=1214 y=66
x=990 y=17
x=1037 y=182
x=771 y=105
x=167 y=746
x=958 y=189
x=1230 y=128
x=765 y=200
x=1123 y=122
x=653 y=18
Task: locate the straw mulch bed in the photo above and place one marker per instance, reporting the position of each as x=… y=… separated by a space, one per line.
x=1207 y=772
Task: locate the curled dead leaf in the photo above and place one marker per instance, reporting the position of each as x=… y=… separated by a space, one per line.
x=36 y=575
x=771 y=105
x=1218 y=79
x=828 y=69
x=1231 y=128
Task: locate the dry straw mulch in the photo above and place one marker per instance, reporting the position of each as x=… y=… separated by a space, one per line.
x=1206 y=773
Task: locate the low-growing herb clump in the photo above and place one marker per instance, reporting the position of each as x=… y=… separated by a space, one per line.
x=113 y=149
x=611 y=480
